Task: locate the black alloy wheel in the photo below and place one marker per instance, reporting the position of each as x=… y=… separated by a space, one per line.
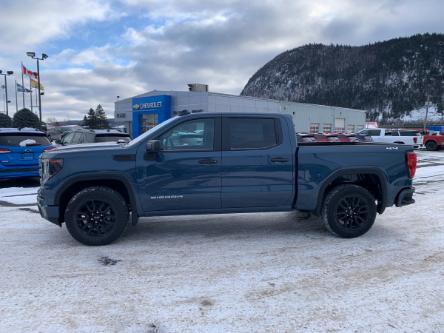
x=349 y=211
x=352 y=212
x=96 y=218
x=96 y=215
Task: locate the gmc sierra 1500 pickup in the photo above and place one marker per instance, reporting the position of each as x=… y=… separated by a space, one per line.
x=208 y=163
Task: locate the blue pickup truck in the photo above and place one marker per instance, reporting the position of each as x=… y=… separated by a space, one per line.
x=210 y=163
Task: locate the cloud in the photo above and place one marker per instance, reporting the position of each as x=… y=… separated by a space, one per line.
x=166 y=44
x=30 y=23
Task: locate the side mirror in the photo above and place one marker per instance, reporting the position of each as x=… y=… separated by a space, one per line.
x=153 y=146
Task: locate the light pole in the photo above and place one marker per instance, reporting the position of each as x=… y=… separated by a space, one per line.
x=6 y=87
x=44 y=56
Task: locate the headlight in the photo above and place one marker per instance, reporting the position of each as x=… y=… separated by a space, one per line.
x=50 y=167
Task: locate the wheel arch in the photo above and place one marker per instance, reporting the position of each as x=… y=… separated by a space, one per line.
x=113 y=181
x=372 y=179
x=431 y=140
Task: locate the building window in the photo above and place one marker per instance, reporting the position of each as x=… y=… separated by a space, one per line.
x=340 y=125
x=327 y=128
x=314 y=128
x=350 y=128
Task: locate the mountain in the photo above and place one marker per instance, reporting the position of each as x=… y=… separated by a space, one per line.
x=388 y=79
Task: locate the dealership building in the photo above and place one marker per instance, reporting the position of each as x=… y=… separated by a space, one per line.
x=142 y=112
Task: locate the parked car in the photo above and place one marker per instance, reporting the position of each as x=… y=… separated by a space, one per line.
x=242 y=162
x=433 y=141
x=55 y=133
x=398 y=136
x=80 y=136
x=20 y=150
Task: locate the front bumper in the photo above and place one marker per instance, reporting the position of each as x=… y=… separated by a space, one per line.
x=405 y=197
x=48 y=212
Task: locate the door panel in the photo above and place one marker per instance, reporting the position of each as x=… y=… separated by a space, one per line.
x=185 y=175
x=255 y=177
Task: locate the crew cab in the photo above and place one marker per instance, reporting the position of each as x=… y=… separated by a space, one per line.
x=211 y=163
x=398 y=136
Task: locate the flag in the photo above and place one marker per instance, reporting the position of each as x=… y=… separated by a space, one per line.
x=22 y=89
x=35 y=84
x=30 y=73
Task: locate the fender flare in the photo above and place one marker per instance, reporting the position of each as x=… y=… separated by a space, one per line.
x=102 y=176
x=350 y=171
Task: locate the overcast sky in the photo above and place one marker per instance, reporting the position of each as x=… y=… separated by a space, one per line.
x=100 y=49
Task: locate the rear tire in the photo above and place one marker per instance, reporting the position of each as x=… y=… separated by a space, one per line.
x=431 y=146
x=96 y=216
x=349 y=211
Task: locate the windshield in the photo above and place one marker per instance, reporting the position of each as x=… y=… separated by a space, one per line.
x=150 y=131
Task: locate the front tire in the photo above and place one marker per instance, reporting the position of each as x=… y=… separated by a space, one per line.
x=96 y=216
x=349 y=211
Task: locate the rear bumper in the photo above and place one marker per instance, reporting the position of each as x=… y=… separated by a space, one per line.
x=50 y=213
x=405 y=197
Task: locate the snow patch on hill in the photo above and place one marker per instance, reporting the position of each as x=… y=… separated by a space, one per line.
x=419 y=114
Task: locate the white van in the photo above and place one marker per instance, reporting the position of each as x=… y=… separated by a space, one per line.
x=389 y=135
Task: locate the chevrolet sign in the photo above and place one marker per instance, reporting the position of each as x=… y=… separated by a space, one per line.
x=145 y=106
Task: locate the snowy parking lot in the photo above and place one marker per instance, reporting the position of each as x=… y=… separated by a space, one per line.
x=274 y=272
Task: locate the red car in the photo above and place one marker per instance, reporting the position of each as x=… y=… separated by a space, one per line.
x=433 y=141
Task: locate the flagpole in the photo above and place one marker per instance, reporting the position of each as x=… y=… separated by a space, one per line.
x=30 y=93
x=16 y=102
x=23 y=85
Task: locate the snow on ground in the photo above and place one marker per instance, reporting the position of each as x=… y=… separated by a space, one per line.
x=19 y=195
x=231 y=273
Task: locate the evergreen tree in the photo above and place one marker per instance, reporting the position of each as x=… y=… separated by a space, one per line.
x=90 y=120
x=5 y=120
x=26 y=118
x=102 y=121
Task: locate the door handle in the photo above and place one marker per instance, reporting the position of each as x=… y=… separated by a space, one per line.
x=208 y=161
x=279 y=159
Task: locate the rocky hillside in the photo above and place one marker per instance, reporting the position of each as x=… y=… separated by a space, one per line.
x=389 y=79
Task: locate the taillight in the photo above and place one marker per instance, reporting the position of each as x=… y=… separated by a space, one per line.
x=415 y=139
x=4 y=151
x=411 y=163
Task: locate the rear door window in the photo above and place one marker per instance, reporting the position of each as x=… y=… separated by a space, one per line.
x=373 y=132
x=250 y=133
x=23 y=139
x=408 y=133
